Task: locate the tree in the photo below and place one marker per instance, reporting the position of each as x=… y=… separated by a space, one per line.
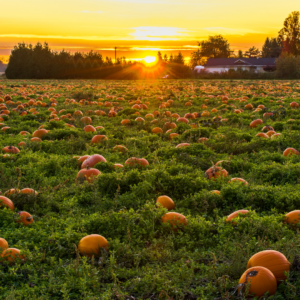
x=240 y=54
x=290 y=33
x=159 y=56
x=215 y=47
x=179 y=59
x=166 y=58
x=271 y=48
x=253 y=52
x=195 y=59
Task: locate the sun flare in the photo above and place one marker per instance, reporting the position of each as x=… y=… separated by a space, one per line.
x=150 y=59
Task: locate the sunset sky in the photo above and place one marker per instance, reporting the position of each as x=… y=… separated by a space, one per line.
x=140 y=27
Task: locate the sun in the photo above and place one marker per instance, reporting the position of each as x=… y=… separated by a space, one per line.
x=149 y=59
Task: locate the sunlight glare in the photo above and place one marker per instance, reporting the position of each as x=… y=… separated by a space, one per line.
x=150 y=59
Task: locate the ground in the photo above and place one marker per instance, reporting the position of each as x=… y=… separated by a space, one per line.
x=146 y=258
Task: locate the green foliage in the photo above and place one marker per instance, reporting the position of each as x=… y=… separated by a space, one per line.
x=146 y=258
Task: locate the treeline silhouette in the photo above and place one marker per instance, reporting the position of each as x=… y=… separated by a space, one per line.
x=40 y=62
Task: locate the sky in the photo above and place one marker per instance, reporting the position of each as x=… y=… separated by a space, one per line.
x=140 y=28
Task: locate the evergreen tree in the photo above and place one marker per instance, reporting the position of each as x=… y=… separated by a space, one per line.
x=240 y=54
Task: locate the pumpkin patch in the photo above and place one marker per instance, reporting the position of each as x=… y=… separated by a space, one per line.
x=161 y=189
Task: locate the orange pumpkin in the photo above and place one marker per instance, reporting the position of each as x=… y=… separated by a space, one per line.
x=25 y=218
x=165 y=202
x=40 y=133
x=11 y=255
x=11 y=149
x=28 y=191
x=89 y=128
x=157 y=130
x=263 y=135
x=98 y=139
x=182 y=120
x=92 y=160
x=174 y=219
x=260 y=279
x=256 y=123
x=87 y=174
x=90 y=245
x=6 y=202
x=293 y=217
x=290 y=152
x=3 y=244
x=216 y=172
x=236 y=214
x=133 y=162
x=238 y=180
x=182 y=145
x=120 y=148
x=273 y=260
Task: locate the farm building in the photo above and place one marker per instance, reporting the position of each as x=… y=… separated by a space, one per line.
x=250 y=64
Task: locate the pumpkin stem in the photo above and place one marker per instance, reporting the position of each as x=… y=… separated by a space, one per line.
x=241 y=286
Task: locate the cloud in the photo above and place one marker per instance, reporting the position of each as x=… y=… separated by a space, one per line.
x=230 y=31
x=155 y=33
x=91 y=12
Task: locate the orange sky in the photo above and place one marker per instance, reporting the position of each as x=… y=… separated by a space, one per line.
x=139 y=27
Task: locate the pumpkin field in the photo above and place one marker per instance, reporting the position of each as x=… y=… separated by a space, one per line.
x=163 y=189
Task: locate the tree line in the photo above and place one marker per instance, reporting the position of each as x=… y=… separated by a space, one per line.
x=40 y=62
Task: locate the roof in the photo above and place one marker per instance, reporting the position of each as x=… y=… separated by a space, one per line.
x=268 y=61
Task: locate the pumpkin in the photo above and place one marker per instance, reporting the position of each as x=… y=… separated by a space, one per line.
x=24 y=133
x=182 y=120
x=28 y=191
x=182 y=145
x=92 y=161
x=165 y=202
x=11 y=149
x=263 y=135
x=87 y=174
x=120 y=148
x=125 y=122
x=11 y=255
x=270 y=133
x=118 y=166
x=294 y=105
x=3 y=244
x=256 y=123
x=173 y=135
x=98 y=139
x=81 y=159
x=157 y=130
x=216 y=172
x=24 y=217
x=89 y=128
x=174 y=219
x=215 y=192
x=267 y=128
x=6 y=202
x=273 y=260
x=290 y=152
x=35 y=139
x=90 y=245
x=22 y=144
x=261 y=280
x=86 y=120
x=39 y=133
x=238 y=180
x=276 y=135
x=293 y=217
x=133 y=162
x=11 y=192
x=236 y=214
x=202 y=140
